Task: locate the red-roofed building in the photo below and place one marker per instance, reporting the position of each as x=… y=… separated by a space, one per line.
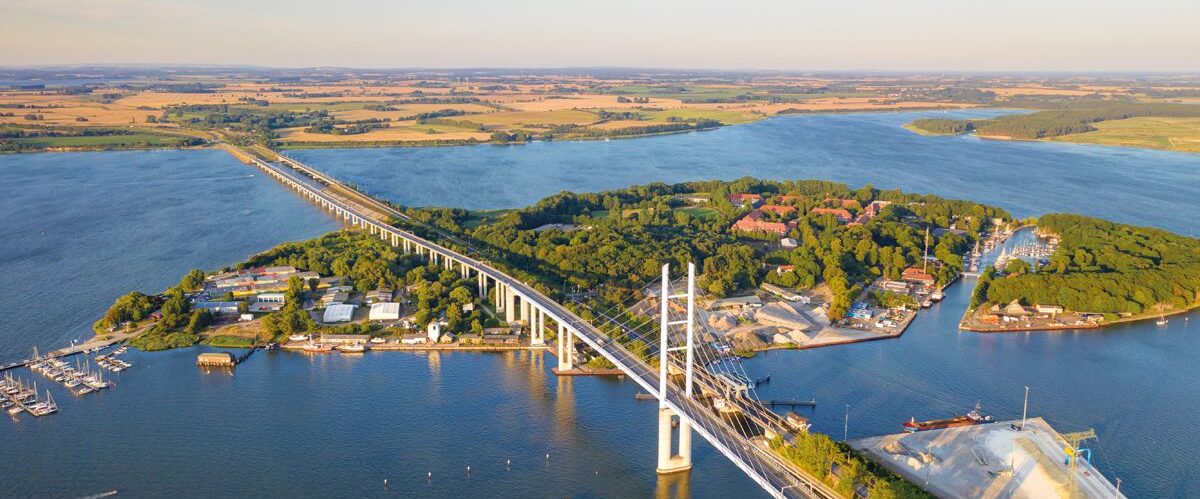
x=842 y=215
x=913 y=274
x=780 y=210
x=844 y=203
x=875 y=208
x=742 y=200
x=748 y=225
x=784 y=268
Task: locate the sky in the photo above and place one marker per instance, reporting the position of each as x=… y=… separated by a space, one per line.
x=960 y=35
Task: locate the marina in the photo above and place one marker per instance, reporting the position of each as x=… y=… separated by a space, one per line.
x=20 y=397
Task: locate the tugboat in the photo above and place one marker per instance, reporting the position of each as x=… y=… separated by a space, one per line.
x=971 y=418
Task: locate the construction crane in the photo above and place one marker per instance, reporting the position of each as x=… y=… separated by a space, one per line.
x=1073 y=451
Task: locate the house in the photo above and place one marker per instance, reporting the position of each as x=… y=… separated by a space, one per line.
x=841 y=214
x=788 y=242
x=338 y=312
x=1048 y=309
x=744 y=200
x=844 y=203
x=389 y=311
x=913 y=274
x=784 y=268
x=777 y=209
x=413 y=339
x=379 y=295
x=501 y=339
x=433 y=331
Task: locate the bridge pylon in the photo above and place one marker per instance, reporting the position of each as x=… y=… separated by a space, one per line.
x=669 y=462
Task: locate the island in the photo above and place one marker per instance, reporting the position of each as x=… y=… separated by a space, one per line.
x=1098 y=273
x=1126 y=122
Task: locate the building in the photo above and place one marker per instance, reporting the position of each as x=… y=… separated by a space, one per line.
x=271 y=298
x=216 y=359
x=413 y=339
x=781 y=210
x=783 y=293
x=334 y=297
x=501 y=339
x=433 y=331
x=784 y=269
x=913 y=274
x=345 y=339
x=1048 y=309
x=844 y=203
x=379 y=295
x=895 y=286
x=389 y=311
x=746 y=224
x=859 y=310
x=218 y=307
x=338 y=312
x=788 y=242
x=841 y=214
x=740 y=302
x=743 y=200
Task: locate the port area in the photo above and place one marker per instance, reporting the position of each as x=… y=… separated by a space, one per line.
x=987 y=461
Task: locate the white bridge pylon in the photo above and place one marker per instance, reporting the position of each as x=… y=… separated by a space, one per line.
x=669 y=462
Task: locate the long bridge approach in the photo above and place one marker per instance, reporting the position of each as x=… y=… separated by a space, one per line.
x=520 y=301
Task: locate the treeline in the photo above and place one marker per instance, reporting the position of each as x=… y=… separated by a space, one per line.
x=1076 y=117
x=1110 y=268
x=844 y=469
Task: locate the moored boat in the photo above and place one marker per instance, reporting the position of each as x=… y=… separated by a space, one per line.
x=352 y=348
x=971 y=418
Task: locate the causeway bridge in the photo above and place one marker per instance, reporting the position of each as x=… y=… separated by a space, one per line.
x=520 y=301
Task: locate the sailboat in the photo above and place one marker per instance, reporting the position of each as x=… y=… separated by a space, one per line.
x=1162 y=321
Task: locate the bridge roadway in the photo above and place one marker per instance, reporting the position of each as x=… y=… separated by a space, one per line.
x=776 y=476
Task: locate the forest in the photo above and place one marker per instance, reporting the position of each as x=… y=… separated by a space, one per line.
x=1074 y=117
x=1109 y=268
x=615 y=242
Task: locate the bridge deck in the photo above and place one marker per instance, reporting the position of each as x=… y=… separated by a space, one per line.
x=777 y=477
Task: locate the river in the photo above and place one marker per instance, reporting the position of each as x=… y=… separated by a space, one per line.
x=82 y=228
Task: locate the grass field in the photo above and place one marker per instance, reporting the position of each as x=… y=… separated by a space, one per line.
x=104 y=141
x=701 y=212
x=1171 y=134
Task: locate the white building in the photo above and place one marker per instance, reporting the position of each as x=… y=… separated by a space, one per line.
x=340 y=312
x=433 y=331
x=387 y=311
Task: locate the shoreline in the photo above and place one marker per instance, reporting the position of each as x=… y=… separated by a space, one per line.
x=1027 y=329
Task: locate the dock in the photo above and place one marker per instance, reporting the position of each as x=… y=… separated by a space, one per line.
x=989 y=460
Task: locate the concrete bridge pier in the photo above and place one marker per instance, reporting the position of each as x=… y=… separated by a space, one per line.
x=510 y=305
x=537 y=326
x=667 y=462
x=566 y=349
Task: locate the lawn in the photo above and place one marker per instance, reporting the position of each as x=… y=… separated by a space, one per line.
x=701 y=212
x=1171 y=134
x=102 y=141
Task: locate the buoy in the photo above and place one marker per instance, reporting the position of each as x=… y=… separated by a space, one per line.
x=508 y=462
x=430 y=476
x=385 y=483
x=547 y=457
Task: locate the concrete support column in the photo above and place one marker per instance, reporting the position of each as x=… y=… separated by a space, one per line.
x=510 y=305
x=668 y=463
x=525 y=312
x=537 y=327
x=566 y=347
x=499 y=299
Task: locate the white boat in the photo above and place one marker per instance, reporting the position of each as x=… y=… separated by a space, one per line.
x=354 y=348
x=298 y=337
x=1162 y=321
x=377 y=340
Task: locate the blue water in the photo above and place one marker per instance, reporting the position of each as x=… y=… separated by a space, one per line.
x=292 y=425
x=79 y=229
x=1137 y=186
